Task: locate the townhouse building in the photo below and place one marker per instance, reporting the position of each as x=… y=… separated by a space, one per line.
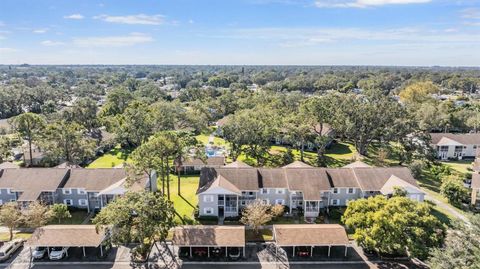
x=90 y=189
x=455 y=146
x=225 y=191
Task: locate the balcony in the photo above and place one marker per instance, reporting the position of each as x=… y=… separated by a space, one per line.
x=231 y=209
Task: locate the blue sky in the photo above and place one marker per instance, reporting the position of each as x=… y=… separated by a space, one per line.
x=313 y=32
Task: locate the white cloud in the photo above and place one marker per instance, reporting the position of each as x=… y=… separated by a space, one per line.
x=51 y=43
x=113 y=41
x=74 y=17
x=134 y=19
x=40 y=31
x=6 y=50
x=364 y=3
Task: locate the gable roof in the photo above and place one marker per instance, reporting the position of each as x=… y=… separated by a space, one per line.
x=310 y=235
x=310 y=181
x=374 y=178
x=211 y=161
x=237 y=164
x=66 y=236
x=464 y=139
x=297 y=164
x=357 y=164
x=95 y=180
x=394 y=181
x=209 y=235
x=32 y=181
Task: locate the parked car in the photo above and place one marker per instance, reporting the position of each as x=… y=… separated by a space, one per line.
x=9 y=248
x=234 y=253
x=39 y=252
x=57 y=253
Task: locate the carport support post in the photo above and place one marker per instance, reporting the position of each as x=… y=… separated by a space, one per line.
x=208 y=252
x=83 y=248
x=329 y=251
x=311 y=251
x=191 y=252
x=48 y=251
x=101 y=250
x=244 y=252
x=346 y=248
x=226 y=251
x=293 y=253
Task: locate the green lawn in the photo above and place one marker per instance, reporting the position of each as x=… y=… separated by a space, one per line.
x=112 y=158
x=77 y=218
x=186 y=203
x=203 y=138
x=460 y=166
x=6 y=236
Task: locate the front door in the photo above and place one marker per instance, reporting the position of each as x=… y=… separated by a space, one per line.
x=221 y=212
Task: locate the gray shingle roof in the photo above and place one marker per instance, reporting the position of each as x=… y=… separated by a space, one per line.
x=94 y=180
x=32 y=181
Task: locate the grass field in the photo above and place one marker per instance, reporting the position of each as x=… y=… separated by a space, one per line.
x=6 y=236
x=112 y=158
x=186 y=203
x=460 y=166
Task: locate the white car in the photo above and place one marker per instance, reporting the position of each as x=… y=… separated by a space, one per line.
x=57 y=253
x=39 y=252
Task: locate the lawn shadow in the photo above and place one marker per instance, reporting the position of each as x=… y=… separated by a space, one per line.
x=186 y=201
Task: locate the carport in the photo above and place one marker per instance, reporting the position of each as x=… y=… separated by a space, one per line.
x=80 y=236
x=209 y=236
x=310 y=236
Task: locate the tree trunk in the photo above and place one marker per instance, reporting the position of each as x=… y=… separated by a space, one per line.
x=178 y=182
x=11 y=233
x=31 y=155
x=168 y=180
x=163 y=178
x=302 y=151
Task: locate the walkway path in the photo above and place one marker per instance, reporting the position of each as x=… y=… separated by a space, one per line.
x=448 y=208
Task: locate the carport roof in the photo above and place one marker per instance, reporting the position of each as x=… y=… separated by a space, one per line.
x=66 y=236
x=310 y=235
x=209 y=236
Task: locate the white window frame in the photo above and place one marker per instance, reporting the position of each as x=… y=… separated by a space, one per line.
x=280 y=191
x=9 y=191
x=282 y=202
x=81 y=191
x=206 y=209
x=352 y=192
x=266 y=201
x=336 y=190
x=82 y=202
x=208 y=198
x=337 y=200
x=265 y=191
x=70 y=200
x=67 y=191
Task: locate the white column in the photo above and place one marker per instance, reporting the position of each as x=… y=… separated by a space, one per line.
x=101 y=250
x=191 y=252
x=293 y=254
x=329 y=251
x=346 y=248
x=226 y=251
x=238 y=209
x=311 y=251
x=83 y=248
x=243 y=252
x=208 y=252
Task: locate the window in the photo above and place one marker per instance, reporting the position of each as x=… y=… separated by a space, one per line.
x=474 y=146
x=280 y=191
x=243 y=202
x=208 y=211
x=67 y=191
x=266 y=201
x=82 y=202
x=9 y=191
x=208 y=198
x=81 y=191
x=280 y=202
x=264 y=191
x=335 y=190
x=68 y=202
x=351 y=190
x=334 y=202
x=250 y=193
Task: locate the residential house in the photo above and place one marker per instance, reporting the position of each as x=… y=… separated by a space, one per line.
x=89 y=189
x=455 y=146
x=196 y=164
x=475 y=185
x=225 y=191
x=32 y=184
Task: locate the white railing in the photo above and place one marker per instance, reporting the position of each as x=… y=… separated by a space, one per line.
x=312 y=209
x=230 y=209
